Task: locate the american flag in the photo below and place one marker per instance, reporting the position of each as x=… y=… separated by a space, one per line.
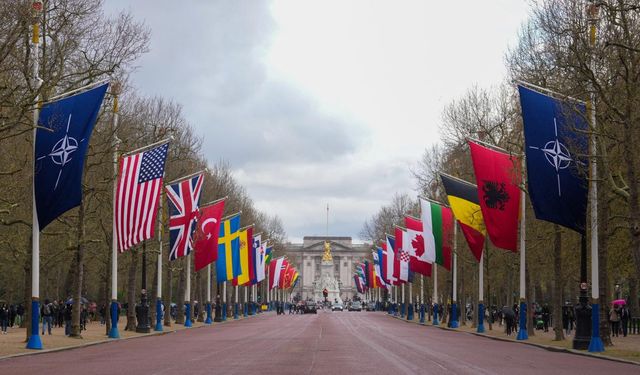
x=137 y=196
x=184 y=199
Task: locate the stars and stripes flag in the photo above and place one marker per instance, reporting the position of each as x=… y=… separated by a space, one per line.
x=184 y=199
x=138 y=195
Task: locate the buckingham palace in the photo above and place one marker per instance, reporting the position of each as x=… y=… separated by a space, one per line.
x=311 y=254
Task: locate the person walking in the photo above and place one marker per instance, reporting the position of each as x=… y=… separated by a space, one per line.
x=20 y=313
x=614 y=319
x=68 y=310
x=4 y=317
x=624 y=319
x=47 y=316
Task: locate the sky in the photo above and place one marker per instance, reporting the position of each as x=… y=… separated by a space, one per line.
x=316 y=103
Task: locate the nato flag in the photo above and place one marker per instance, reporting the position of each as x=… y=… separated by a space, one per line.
x=556 y=145
x=61 y=144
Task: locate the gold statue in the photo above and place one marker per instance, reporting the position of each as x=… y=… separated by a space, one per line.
x=327 y=252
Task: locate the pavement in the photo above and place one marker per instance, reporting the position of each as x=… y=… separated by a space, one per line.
x=323 y=343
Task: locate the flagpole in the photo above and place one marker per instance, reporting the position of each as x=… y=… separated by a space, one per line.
x=34 y=341
x=522 y=332
x=410 y=307
x=481 y=293
x=245 y=308
x=187 y=295
x=454 y=276
x=235 y=305
x=421 y=299
x=159 y=312
x=435 y=294
x=596 y=344
x=113 y=332
x=224 y=300
x=208 y=320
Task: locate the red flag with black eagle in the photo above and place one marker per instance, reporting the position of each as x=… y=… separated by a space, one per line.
x=498 y=176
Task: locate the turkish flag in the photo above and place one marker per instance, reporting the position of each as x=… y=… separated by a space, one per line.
x=206 y=235
x=498 y=176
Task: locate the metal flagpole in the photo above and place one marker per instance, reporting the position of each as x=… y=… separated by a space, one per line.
x=34 y=341
x=454 y=276
x=403 y=309
x=435 y=294
x=522 y=332
x=224 y=300
x=113 y=332
x=245 y=308
x=410 y=307
x=481 y=293
x=159 y=311
x=235 y=304
x=208 y=320
x=187 y=294
x=421 y=299
x=596 y=344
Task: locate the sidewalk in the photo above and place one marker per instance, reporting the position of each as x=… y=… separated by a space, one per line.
x=624 y=348
x=13 y=343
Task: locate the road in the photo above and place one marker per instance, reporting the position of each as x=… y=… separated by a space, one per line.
x=326 y=343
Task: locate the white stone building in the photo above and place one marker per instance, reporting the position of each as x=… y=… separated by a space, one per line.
x=307 y=258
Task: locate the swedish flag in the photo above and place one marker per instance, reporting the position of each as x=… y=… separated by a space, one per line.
x=228 y=263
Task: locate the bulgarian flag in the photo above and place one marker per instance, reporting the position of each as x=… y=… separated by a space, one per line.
x=437 y=230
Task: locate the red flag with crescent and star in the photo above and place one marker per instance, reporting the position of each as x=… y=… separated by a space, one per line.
x=206 y=237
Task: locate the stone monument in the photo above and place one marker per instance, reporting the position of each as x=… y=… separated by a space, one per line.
x=327 y=280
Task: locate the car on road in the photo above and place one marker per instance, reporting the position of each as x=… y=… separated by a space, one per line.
x=371 y=306
x=337 y=306
x=310 y=308
x=355 y=306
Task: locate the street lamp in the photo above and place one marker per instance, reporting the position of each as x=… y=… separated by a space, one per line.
x=617 y=286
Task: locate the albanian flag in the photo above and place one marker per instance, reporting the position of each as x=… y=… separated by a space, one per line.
x=497 y=176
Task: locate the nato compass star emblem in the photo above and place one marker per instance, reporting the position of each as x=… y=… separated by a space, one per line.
x=61 y=152
x=557 y=154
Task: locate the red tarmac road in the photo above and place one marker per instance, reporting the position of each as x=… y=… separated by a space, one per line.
x=326 y=343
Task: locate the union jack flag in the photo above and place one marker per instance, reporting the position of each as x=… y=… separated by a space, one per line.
x=184 y=199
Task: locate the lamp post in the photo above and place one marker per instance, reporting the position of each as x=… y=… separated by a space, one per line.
x=142 y=310
x=617 y=286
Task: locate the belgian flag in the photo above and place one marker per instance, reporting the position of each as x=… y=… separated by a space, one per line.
x=464 y=202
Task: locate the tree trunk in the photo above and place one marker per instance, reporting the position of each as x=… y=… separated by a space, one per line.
x=633 y=296
x=167 y=300
x=76 y=328
x=557 y=283
x=529 y=299
x=131 y=292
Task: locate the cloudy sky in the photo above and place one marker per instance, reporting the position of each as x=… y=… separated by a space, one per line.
x=321 y=102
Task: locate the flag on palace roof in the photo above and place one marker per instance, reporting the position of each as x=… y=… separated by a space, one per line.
x=184 y=199
x=463 y=198
x=61 y=142
x=556 y=140
x=498 y=175
x=418 y=258
x=138 y=193
x=228 y=262
x=207 y=232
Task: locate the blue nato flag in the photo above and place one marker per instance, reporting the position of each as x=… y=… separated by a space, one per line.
x=556 y=147
x=65 y=127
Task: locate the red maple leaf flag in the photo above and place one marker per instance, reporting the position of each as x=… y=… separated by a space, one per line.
x=418 y=261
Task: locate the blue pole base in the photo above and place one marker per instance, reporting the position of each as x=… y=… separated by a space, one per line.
x=158 y=327
x=522 y=332
x=245 y=310
x=235 y=310
x=410 y=312
x=113 y=332
x=435 y=314
x=480 y=318
x=34 y=340
x=224 y=311
x=595 y=345
x=390 y=309
x=454 y=316
x=187 y=315
x=421 y=314
x=252 y=309
x=208 y=320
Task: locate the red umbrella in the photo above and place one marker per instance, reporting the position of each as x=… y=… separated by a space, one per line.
x=619 y=302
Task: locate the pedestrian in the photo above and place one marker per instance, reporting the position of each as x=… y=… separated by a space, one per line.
x=4 y=317
x=47 y=316
x=12 y=315
x=624 y=319
x=545 y=317
x=20 y=313
x=103 y=314
x=68 y=309
x=614 y=319
x=84 y=315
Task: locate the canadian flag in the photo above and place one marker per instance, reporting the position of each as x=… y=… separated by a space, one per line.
x=419 y=261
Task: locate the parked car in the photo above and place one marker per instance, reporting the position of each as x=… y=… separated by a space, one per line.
x=355 y=306
x=310 y=308
x=371 y=306
x=337 y=306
